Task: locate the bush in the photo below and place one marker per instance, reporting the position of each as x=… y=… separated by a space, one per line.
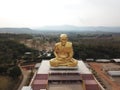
x=14 y=72
x=3 y=69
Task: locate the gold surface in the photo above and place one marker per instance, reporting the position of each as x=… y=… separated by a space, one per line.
x=63 y=52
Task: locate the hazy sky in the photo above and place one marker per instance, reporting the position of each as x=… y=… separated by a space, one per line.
x=37 y=13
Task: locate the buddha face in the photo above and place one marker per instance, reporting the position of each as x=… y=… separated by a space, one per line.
x=63 y=39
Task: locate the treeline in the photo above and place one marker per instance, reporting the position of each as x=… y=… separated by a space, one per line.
x=10 y=70
x=10 y=52
x=15 y=36
x=96 y=46
x=96 y=49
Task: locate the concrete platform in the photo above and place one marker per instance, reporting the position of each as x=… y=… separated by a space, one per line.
x=64 y=78
x=45 y=68
x=64 y=68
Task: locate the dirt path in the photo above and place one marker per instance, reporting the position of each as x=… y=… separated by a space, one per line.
x=98 y=68
x=25 y=73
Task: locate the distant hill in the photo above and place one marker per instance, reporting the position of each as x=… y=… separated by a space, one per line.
x=64 y=28
x=80 y=29
x=16 y=30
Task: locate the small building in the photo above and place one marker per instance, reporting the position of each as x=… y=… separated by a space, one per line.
x=116 y=60
x=114 y=73
x=26 y=88
x=103 y=60
x=90 y=59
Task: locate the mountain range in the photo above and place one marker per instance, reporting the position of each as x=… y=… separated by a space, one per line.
x=64 y=28
x=80 y=28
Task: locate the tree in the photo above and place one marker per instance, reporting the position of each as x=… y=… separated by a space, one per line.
x=14 y=72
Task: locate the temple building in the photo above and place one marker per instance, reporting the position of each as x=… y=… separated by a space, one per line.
x=63 y=72
x=63 y=78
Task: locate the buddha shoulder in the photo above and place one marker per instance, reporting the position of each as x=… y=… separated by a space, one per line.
x=68 y=44
x=57 y=44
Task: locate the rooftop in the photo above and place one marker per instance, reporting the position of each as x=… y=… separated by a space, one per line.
x=114 y=73
x=116 y=60
x=102 y=60
x=26 y=88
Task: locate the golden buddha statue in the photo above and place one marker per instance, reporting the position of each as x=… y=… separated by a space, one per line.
x=63 y=52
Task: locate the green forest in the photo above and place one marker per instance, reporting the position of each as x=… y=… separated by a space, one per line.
x=104 y=46
x=89 y=45
x=95 y=46
x=10 y=52
x=98 y=51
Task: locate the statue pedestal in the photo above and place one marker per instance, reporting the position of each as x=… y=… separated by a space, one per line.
x=64 y=68
x=45 y=68
x=64 y=78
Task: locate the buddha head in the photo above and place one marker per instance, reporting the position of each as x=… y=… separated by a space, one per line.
x=63 y=39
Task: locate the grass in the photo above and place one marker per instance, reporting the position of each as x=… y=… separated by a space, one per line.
x=7 y=83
